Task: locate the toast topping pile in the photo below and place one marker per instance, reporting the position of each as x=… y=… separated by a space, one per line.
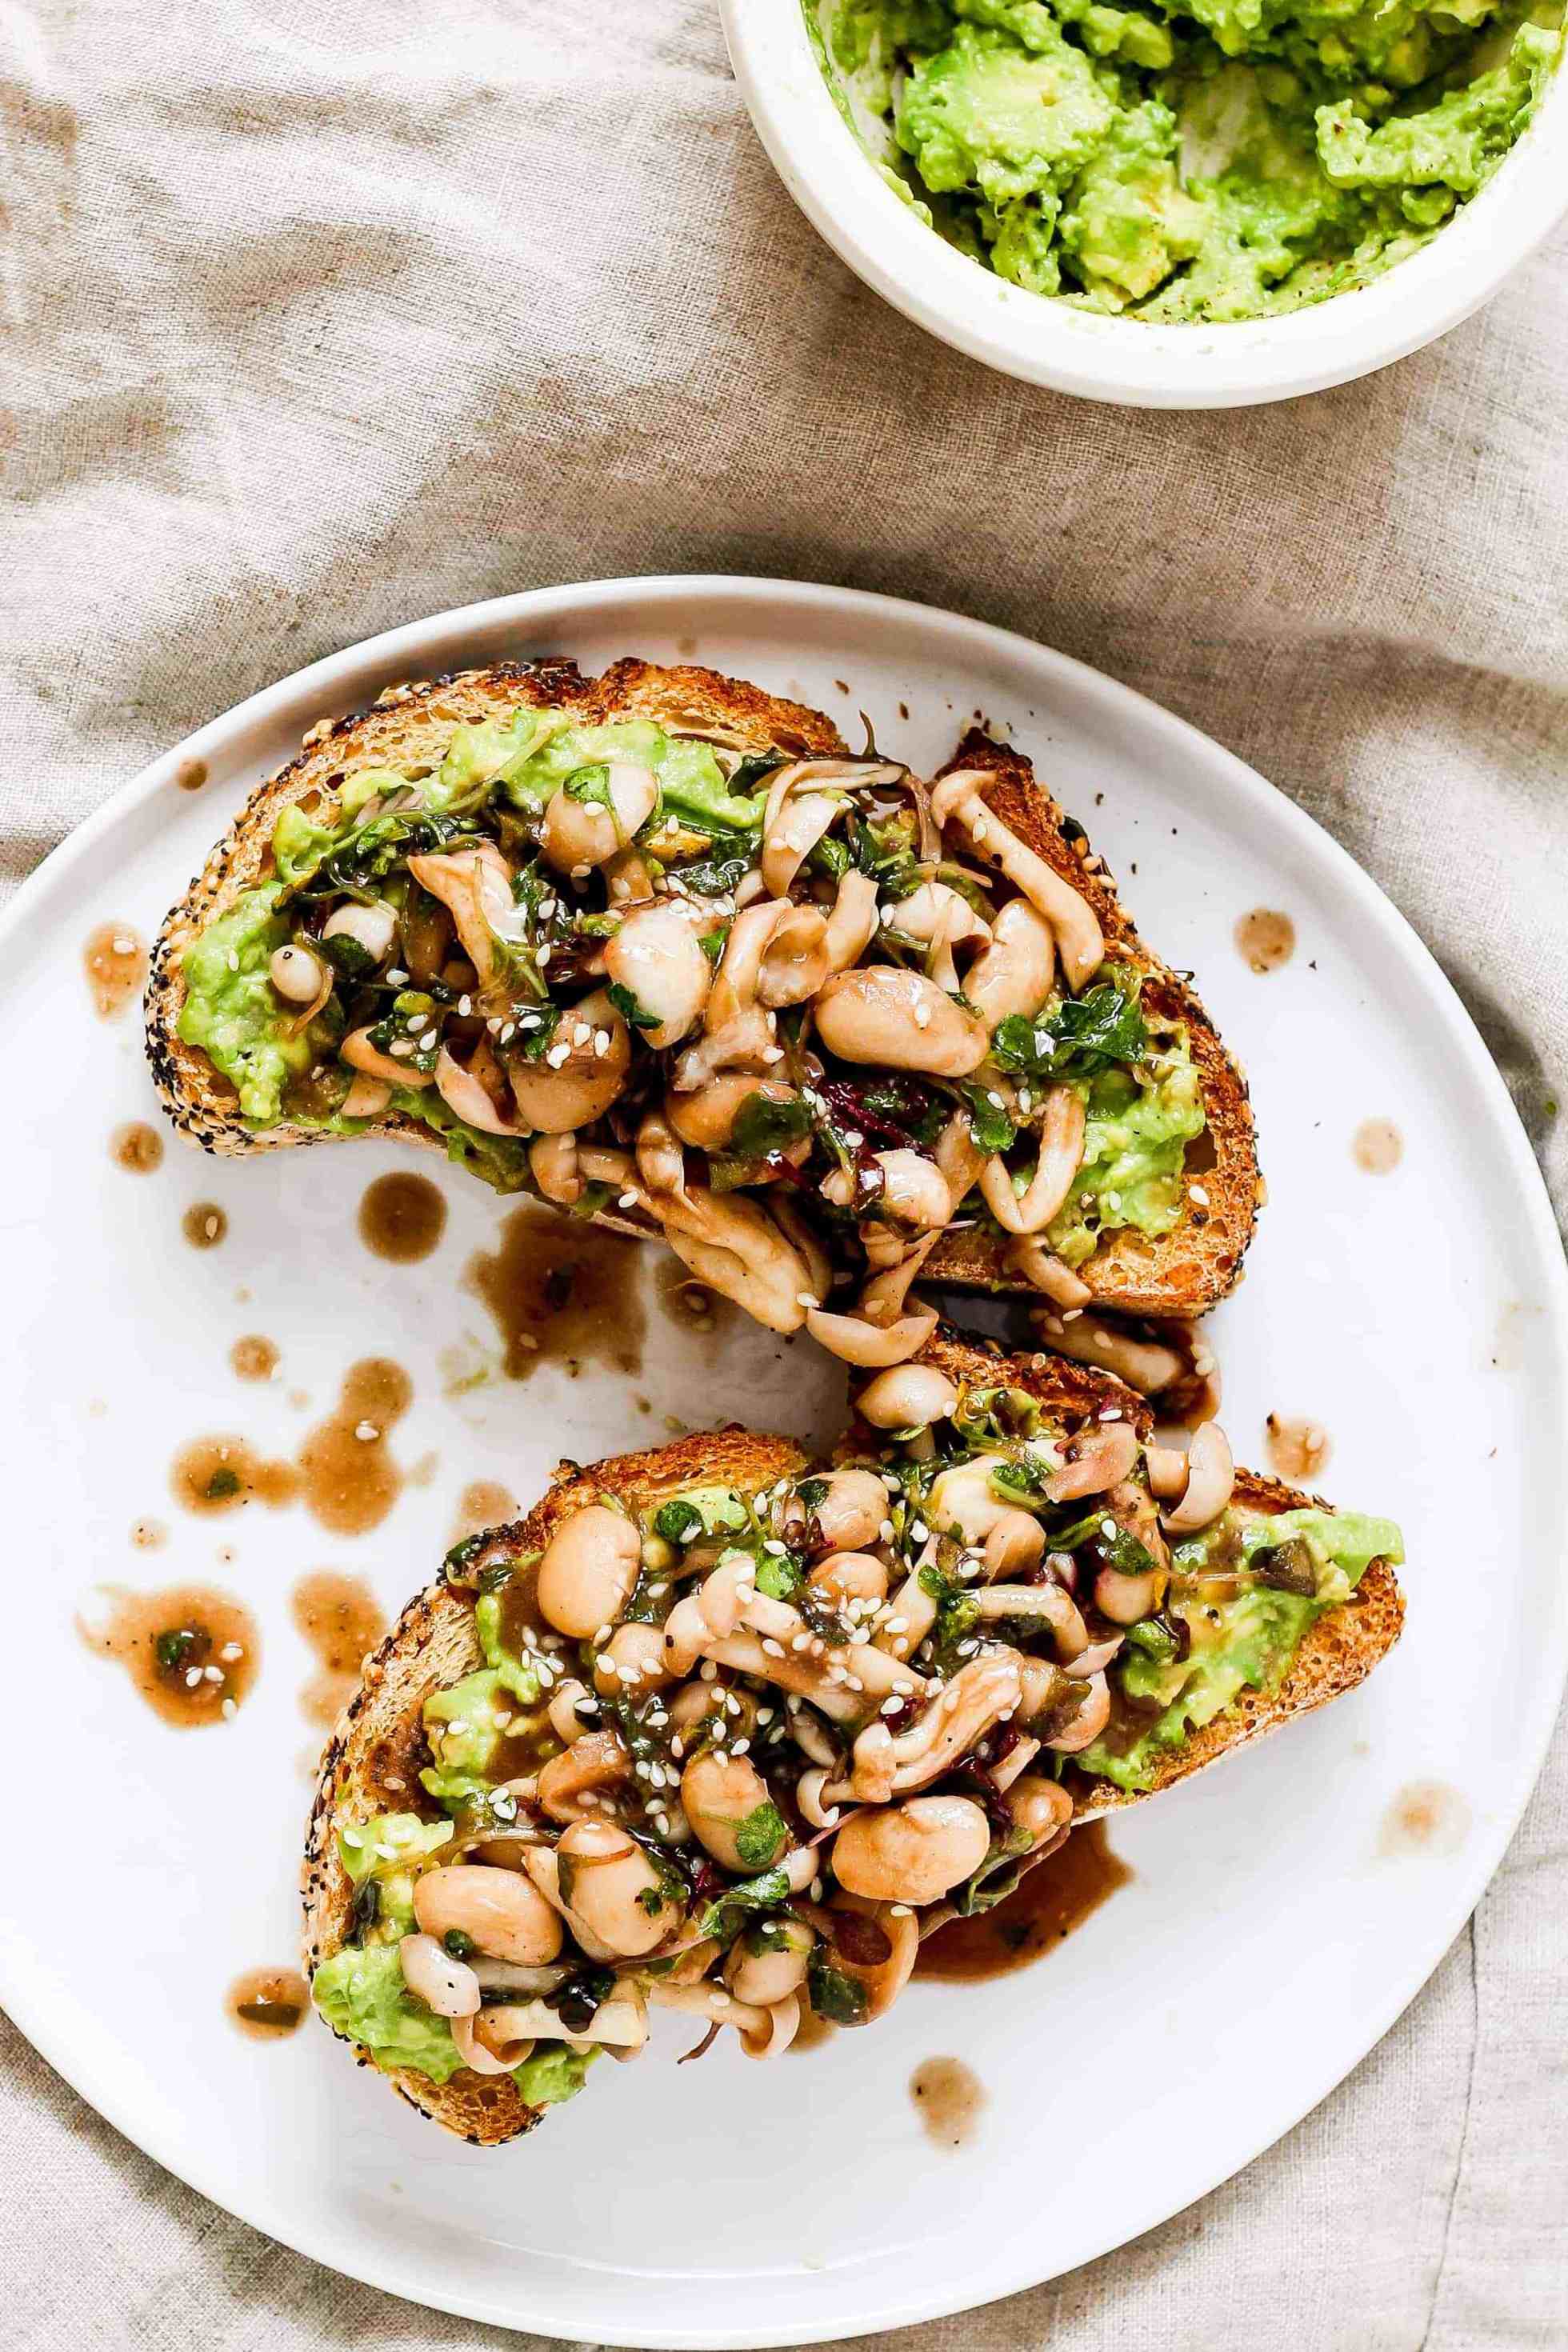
x=802 y=1016
x=735 y=1752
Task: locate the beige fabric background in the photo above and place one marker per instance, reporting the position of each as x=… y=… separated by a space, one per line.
x=321 y=317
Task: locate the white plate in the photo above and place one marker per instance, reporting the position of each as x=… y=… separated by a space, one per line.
x=1420 y=1316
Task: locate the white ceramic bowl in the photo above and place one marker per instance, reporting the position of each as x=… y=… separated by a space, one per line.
x=1138 y=364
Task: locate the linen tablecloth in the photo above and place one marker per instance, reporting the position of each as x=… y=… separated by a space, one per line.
x=319 y=319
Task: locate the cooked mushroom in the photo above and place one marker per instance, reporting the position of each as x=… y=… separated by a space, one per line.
x=580 y=1073
x=900 y=1020
x=657 y=958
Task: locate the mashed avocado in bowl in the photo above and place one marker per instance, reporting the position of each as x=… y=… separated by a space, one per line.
x=1207 y=162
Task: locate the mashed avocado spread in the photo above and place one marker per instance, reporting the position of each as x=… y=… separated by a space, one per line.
x=1209 y=160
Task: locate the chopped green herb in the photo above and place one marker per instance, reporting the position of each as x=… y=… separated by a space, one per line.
x=636 y=1015
x=989 y=1124
x=763 y=1127
x=724 y=1915
x=759 y=1838
x=1080 y=1037
x=678 y=1521
x=841 y=1999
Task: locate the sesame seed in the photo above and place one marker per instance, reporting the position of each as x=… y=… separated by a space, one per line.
x=804 y=1298
x=891 y=1706
x=773 y=1649
x=401 y=1047
x=230 y=1651
x=542 y=956
x=1108 y=1529
x=234 y=959
x=212 y=1673
x=465 y=1006
x=556 y=1055
x=601 y=1043
x=230 y=1710
x=580 y=1033
x=923 y=1016
x=920 y=1532
x=800 y=1641
x=778 y=1548
x=816 y=1890
x=366 y=1432
x=886 y=1531
x=900 y=1911
x=678 y=1747
x=772 y=1053
x=192 y=1676
x=627 y=1200
x=1199 y=1195
x=493 y=1023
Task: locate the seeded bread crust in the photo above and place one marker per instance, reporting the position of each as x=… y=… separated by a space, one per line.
x=1339 y=1651
x=372 y=1759
x=372 y=1763
x=1179 y=1274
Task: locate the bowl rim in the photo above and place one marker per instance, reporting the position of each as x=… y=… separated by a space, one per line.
x=1131 y=362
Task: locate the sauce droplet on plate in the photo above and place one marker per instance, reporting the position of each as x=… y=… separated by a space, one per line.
x=562 y=1294
x=214 y=1475
x=268 y=2004
x=191 y=775
x=948 y=2097
x=148 y=1535
x=347 y=1474
x=484 y=1504
x=1377 y=1147
x=137 y=1148
x=204 y=1225
x=1266 y=939
x=1047 y=1904
x=253 y=1358
x=115 y=963
x=402 y=1218
x=1426 y=1817
x=1296 y=1449
x=341 y=1621
x=190 y=1651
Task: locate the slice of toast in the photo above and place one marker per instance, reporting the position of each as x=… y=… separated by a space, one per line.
x=1175 y=1275
x=372 y=1763
x=1338 y=1650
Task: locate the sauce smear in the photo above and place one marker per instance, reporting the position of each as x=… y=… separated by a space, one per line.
x=402 y=1218
x=1050 y=1901
x=215 y=1475
x=1266 y=939
x=137 y=1148
x=148 y=1535
x=268 y=2003
x=204 y=1225
x=561 y=1293
x=115 y=963
x=253 y=1358
x=347 y=1475
x=948 y=2097
x=1296 y=1449
x=340 y=1618
x=1426 y=1817
x=191 y=1652
x=482 y=1505
x=1377 y=1147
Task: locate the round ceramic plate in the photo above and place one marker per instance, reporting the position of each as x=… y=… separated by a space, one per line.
x=1417 y=1316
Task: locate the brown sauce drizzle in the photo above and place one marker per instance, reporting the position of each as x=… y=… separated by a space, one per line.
x=1426 y=1817
x=349 y=1478
x=268 y=2003
x=484 y=1504
x=1296 y=1449
x=948 y=2098
x=1265 y=939
x=1377 y=1147
x=215 y=1475
x=1051 y=1900
x=340 y=1619
x=688 y=1304
x=115 y=963
x=176 y=1644
x=204 y=1225
x=137 y=1148
x=343 y=1472
x=562 y=1292
x=253 y=1358
x=402 y=1218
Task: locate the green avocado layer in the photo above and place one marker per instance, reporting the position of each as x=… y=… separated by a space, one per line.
x=1217 y=160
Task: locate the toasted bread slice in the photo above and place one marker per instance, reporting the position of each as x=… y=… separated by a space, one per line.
x=372 y=1761
x=1176 y=1274
x=1197 y=1263
x=1338 y=1650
